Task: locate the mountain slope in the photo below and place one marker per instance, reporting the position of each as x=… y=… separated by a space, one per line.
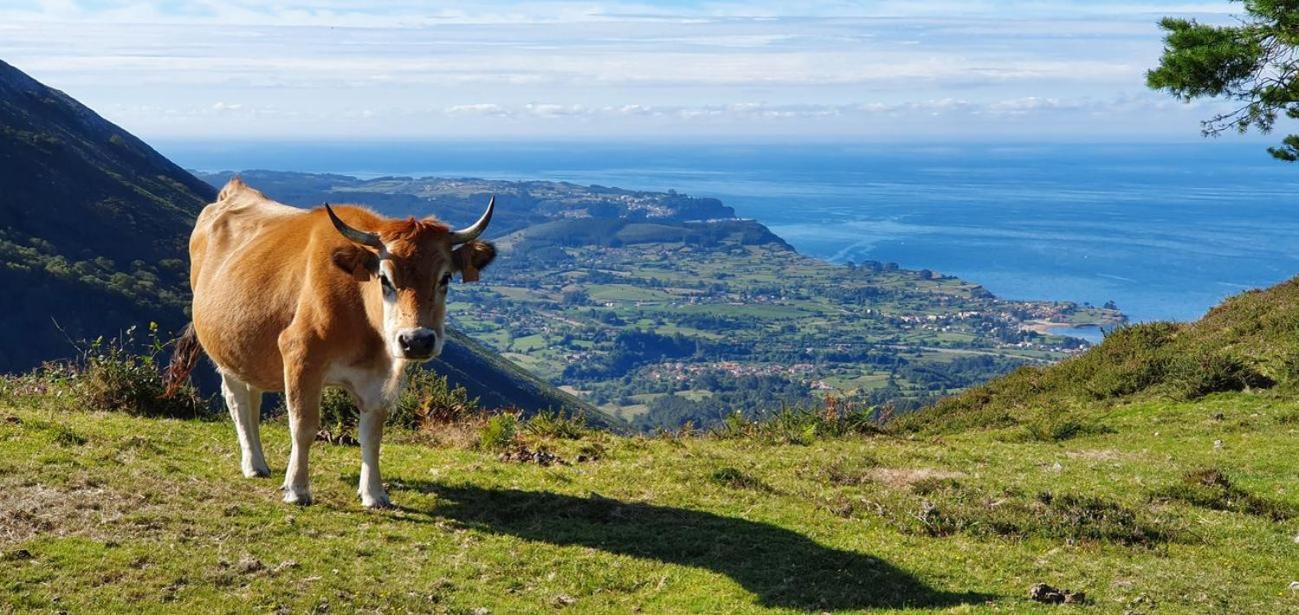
x=1249 y=342
x=94 y=229
x=93 y=225
x=497 y=382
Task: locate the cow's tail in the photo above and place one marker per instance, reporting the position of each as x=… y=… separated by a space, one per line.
x=184 y=356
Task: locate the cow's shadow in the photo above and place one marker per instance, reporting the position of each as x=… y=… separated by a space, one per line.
x=782 y=568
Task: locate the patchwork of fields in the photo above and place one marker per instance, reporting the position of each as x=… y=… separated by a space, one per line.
x=744 y=311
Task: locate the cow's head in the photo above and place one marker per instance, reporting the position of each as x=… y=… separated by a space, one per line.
x=411 y=262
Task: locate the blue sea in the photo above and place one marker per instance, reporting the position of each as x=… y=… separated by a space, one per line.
x=1164 y=230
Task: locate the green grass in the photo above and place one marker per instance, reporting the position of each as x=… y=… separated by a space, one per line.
x=625 y=293
x=761 y=312
x=109 y=512
x=528 y=343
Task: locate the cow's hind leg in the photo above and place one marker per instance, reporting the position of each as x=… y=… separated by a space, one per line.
x=245 y=405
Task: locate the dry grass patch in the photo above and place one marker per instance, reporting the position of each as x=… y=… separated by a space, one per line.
x=1095 y=455
x=905 y=477
x=87 y=510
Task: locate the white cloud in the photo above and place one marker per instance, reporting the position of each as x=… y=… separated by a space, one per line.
x=488 y=109
x=415 y=14
x=827 y=67
x=1016 y=107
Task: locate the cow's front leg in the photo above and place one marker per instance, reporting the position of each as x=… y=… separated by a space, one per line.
x=297 y=479
x=302 y=394
x=370 y=432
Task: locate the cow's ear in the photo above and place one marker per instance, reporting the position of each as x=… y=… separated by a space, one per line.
x=472 y=257
x=356 y=262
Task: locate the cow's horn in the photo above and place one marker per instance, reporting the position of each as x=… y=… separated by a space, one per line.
x=472 y=232
x=361 y=237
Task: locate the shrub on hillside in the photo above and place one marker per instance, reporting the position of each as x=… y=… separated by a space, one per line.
x=338 y=415
x=949 y=508
x=1212 y=488
x=112 y=376
x=738 y=479
x=1057 y=424
x=556 y=425
x=1195 y=376
x=499 y=432
x=804 y=424
x=1131 y=359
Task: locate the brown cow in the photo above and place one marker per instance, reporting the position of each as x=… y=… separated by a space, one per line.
x=294 y=300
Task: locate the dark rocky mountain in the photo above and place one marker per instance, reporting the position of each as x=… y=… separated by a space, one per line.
x=93 y=225
x=94 y=228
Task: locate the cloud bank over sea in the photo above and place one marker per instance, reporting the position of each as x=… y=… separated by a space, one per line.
x=863 y=70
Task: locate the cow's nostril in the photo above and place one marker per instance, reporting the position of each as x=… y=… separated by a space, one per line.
x=417 y=343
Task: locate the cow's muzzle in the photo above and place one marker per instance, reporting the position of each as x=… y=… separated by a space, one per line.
x=417 y=344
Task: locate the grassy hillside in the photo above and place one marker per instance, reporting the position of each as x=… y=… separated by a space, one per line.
x=103 y=511
x=1249 y=342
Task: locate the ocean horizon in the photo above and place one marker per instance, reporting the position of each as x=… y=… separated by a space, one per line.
x=1165 y=231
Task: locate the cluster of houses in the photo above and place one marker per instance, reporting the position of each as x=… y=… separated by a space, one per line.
x=679 y=371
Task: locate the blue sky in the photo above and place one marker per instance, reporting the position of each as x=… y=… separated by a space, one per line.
x=888 y=70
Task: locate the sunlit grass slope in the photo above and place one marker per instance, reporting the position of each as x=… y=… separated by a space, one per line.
x=102 y=512
x=1249 y=342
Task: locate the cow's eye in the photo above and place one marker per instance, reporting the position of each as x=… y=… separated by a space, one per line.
x=446 y=279
x=387 y=284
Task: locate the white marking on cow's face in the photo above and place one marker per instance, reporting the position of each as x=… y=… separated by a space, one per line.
x=440 y=309
x=392 y=321
x=414 y=319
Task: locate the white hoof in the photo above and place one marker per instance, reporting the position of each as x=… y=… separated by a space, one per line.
x=297 y=495
x=256 y=471
x=378 y=501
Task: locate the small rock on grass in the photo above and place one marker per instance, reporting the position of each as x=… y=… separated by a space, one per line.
x=16 y=555
x=341 y=438
x=541 y=456
x=1046 y=594
x=249 y=564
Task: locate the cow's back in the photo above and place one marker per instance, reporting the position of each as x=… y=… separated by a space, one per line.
x=247 y=264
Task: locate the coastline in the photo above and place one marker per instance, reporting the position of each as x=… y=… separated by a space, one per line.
x=1089 y=326
x=1092 y=332
x=899 y=204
